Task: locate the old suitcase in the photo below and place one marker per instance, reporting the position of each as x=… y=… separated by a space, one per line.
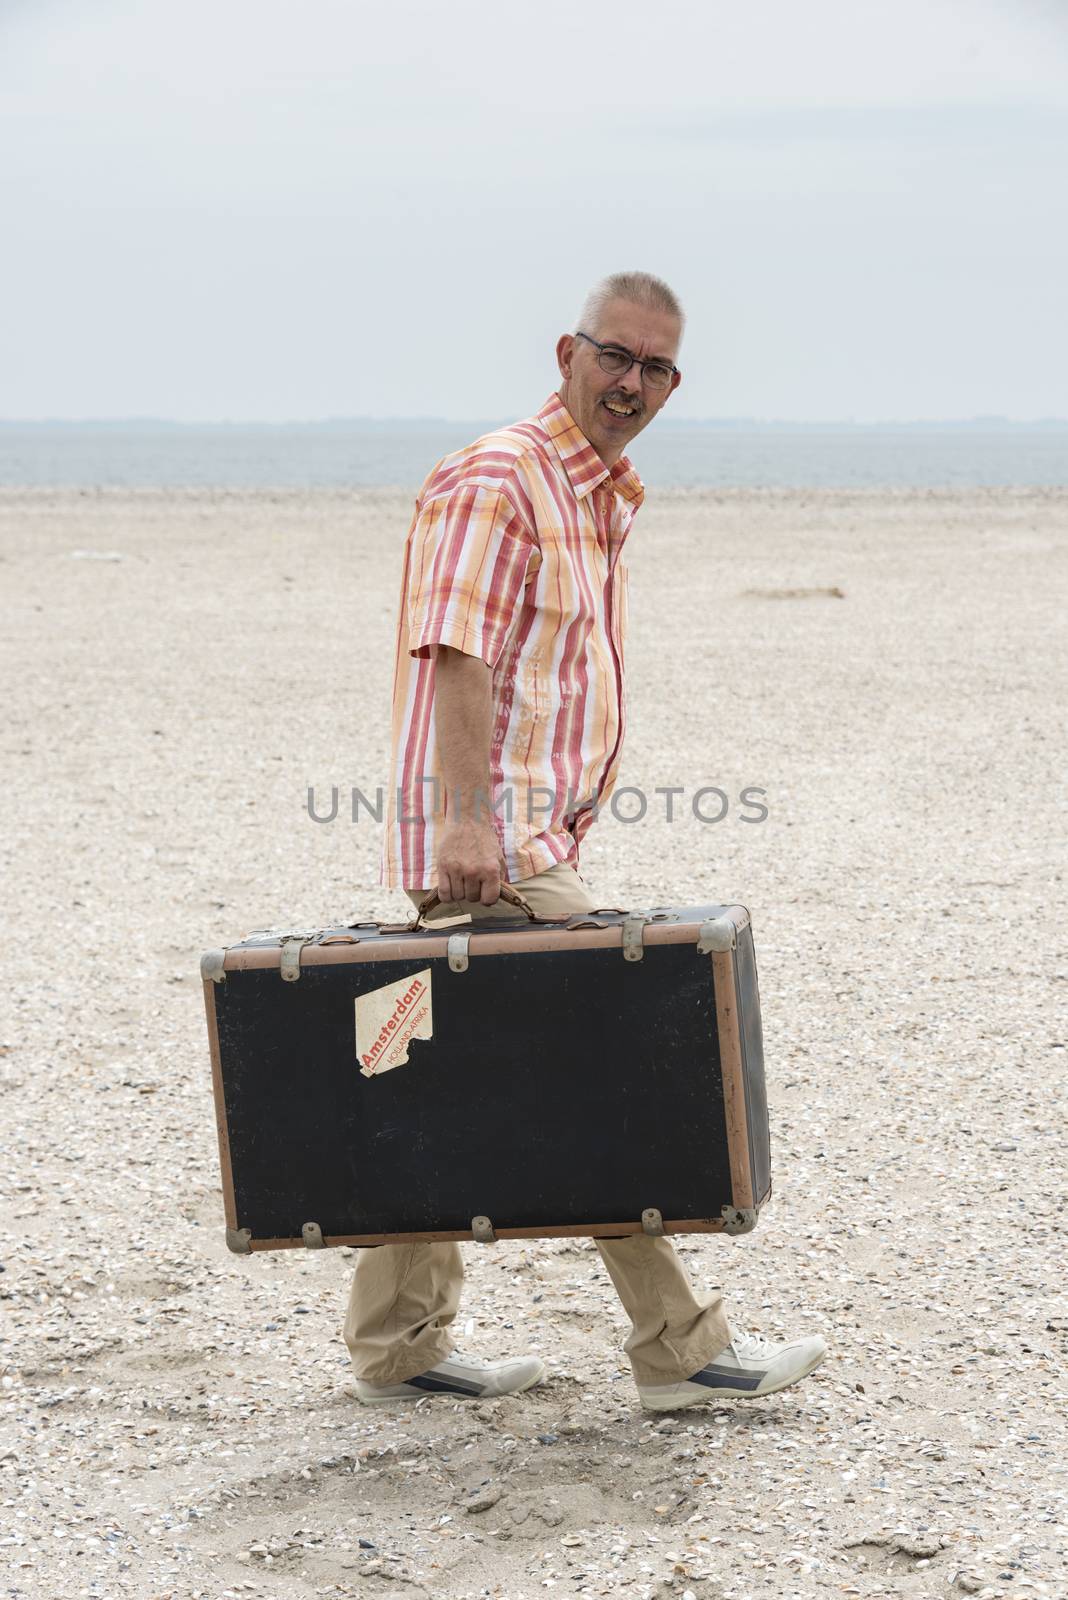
x=597 y=1075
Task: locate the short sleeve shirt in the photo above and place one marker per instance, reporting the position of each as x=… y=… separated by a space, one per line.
x=514 y=555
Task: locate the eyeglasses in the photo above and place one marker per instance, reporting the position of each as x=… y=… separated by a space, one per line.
x=615 y=359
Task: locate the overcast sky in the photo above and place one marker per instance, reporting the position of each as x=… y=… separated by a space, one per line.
x=271 y=209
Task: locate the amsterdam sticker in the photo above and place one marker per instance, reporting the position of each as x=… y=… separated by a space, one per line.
x=388 y=1019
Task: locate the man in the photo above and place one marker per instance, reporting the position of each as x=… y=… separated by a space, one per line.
x=508 y=719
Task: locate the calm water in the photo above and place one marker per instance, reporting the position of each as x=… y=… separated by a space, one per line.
x=401 y=454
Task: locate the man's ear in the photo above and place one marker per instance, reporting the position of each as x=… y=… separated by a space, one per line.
x=565 y=349
x=676 y=379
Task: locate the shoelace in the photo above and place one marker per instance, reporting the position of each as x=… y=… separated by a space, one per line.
x=751 y=1346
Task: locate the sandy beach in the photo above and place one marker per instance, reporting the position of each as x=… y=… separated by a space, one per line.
x=179 y=1422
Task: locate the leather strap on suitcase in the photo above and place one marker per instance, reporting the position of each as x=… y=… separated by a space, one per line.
x=572 y=919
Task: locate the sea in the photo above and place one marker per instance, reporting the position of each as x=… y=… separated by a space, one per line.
x=985 y=453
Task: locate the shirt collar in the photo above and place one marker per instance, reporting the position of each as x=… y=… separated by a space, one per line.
x=583 y=465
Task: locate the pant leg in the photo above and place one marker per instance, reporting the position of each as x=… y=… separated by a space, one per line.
x=403 y=1300
x=675 y=1330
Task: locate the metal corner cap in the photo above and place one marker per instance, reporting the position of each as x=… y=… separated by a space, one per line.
x=212 y=966
x=239 y=1240
x=739 y=1219
x=717 y=935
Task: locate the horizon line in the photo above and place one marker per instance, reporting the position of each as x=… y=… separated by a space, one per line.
x=977 y=420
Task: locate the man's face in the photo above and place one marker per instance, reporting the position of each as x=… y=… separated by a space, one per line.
x=611 y=409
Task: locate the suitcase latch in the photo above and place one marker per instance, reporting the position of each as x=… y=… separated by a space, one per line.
x=457 y=949
x=633 y=924
x=289 y=956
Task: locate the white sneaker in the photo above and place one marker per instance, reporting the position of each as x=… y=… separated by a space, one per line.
x=750 y=1366
x=458 y=1375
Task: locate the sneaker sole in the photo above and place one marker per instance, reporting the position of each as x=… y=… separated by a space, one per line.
x=445 y=1394
x=676 y=1403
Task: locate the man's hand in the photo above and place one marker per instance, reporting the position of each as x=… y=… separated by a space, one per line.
x=469 y=862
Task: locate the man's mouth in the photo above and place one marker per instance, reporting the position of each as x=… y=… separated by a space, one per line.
x=621 y=408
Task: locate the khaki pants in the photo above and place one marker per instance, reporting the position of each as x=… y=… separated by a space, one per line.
x=404 y=1296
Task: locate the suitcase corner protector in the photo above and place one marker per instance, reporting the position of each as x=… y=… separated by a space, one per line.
x=739 y=1219
x=717 y=936
x=213 y=966
x=239 y=1240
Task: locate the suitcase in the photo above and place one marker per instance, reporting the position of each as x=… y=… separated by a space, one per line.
x=598 y=1075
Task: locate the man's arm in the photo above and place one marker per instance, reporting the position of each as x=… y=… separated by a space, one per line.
x=469 y=859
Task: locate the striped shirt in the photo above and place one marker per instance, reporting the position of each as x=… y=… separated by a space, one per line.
x=514 y=555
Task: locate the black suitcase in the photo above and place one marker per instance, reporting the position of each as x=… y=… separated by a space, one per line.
x=599 y=1075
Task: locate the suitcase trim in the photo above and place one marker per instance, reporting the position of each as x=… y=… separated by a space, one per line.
x=725 y=979
x=226 y=1169
x=480 y=941
x=579 y=1230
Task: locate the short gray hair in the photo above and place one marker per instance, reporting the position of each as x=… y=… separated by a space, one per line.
x=640 y=288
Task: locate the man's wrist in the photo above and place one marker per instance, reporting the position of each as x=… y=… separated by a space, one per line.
x=469 y=803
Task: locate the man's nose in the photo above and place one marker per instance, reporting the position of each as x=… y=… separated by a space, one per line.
x=631 y=380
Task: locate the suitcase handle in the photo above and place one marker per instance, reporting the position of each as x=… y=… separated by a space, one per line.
x=507 y=893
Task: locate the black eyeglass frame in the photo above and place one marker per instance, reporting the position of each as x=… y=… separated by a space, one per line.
x=653 y=362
